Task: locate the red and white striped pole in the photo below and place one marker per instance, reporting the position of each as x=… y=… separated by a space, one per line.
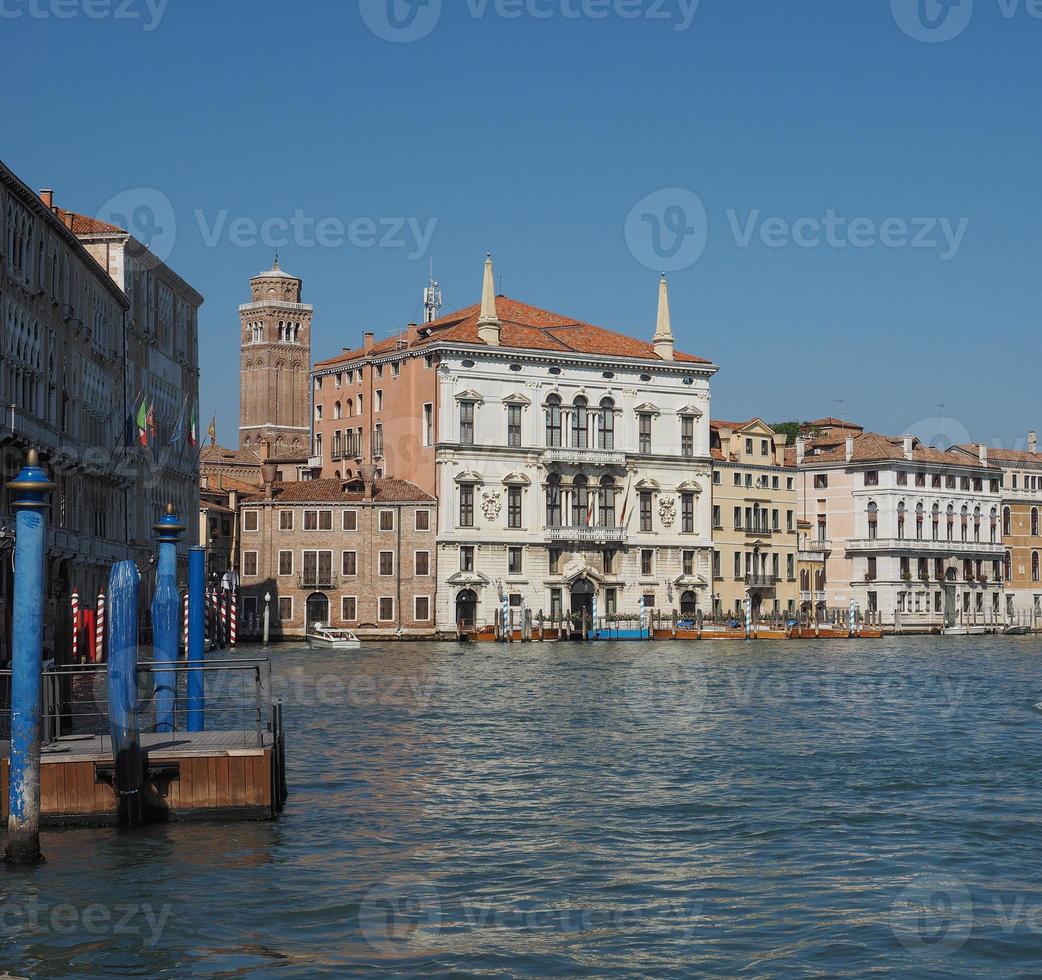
x=233 y=600
x=186 y=620
x=99 y=630
x=224 y=617
x=75 y=626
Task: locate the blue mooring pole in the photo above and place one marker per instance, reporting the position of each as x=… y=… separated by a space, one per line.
x=30 y=489
x=166 y=611
x=196 y=603
x=124 y=582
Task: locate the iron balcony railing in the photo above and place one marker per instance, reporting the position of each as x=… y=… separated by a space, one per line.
x=759 y=580
x=323 y=581
x=584 y=457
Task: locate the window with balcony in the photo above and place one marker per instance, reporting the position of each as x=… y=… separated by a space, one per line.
x=581 y=513
x=553 y=422
x=580 y=423
x=873 y=520
x=607 y=502
x=553 y=500
x=606 y=425
x=318 y=569
x=901 y=520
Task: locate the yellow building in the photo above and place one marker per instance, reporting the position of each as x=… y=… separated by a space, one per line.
x=754 y=519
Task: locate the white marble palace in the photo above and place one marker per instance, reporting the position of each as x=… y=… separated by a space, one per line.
x=573 y=465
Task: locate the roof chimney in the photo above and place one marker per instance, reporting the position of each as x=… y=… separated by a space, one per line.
x=850 y=448
x=367 y=471
x=801 y=450
x=909 y=444
x=1032 y=441
x=982 y=451
x=489 y=326
x=47 y=196
x=368 y=339
x=663 y=339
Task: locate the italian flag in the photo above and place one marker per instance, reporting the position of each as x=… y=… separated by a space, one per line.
x=142 y=422
x=193 y=429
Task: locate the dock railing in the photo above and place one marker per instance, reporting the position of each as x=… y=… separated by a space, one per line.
x=238 y=699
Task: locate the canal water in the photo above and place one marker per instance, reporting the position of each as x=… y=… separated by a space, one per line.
x=667 y=809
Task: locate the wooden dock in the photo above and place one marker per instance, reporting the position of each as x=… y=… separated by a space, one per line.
x=192 y=776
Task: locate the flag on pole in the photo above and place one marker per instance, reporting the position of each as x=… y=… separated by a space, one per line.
x=129 y=428
x=193 y=429
x=179 y=429
x=212 y=431
x=151 y=421
x=142 y=422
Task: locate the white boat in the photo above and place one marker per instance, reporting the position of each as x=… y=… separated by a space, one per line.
x=326 y=638
x=965 y=631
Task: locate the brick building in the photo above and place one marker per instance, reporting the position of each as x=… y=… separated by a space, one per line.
x=358 y=554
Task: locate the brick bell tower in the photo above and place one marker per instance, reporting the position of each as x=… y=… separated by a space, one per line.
x=274 y=396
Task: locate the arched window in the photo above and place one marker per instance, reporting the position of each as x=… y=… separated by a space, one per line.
x=606 y=425
x=1007 y=521
x=553 y=500
x=337 y=408
x=553 y=421
x=1034 y=522
x=688 y=604
x=1034 y=566
x=935 y=518
x=901 y=519
x=1008 y=567
x=994 y=524
x=920 y=513
x=607 y=515
x=804 y=580
x=951 y=522
x=873 y=520
x=976 y=523
x=965 y=521
x=580 y=423
x=581 y=516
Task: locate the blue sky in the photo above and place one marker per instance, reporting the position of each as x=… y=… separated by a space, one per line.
x=537 y=136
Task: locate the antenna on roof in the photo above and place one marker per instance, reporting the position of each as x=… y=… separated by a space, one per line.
x=276 y=265
x=431 y=298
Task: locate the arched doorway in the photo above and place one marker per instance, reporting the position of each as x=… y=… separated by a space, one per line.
x=688 y=604
x=467 y=608
x=317 y=612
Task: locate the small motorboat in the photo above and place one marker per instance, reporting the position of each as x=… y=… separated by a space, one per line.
x=326 y=638
x=1017 y=631
x=965 y=631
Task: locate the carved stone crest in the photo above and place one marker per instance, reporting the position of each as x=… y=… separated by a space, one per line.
x=491 y=505
x=667 y=511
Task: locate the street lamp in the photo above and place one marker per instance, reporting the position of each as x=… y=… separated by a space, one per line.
x=267 y=603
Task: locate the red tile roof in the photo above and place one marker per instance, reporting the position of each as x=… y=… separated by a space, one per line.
x=524 y=327
x=386 y=491
x=834 y=423
x=82 y=224
x=1003 y=455
x=871 y=447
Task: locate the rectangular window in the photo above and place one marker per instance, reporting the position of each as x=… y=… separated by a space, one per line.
x=514 y=426
x=644 y=432
x=386 y=563
x=386 y=609
x=554 y=561
x=737 y=564
x=250 y=520
x=513 y=561
x=349 y=609
x=318 y=569
x=421 y=608
x=748 y=447
x=821 y=481
x=611 y=602
x=249 y=564
x=350 y=520
x=717 y=520
x=687 y=513
x=872 y=478
x=466 y=423
x=689 y=563
x=318 y=520
x=285 y=520
x=716 y=565
x=738 y=479
x=514 y=507
x=738 y=518
x=687 y=436
x=645 y=510
x=647 y=559
x=378 y=439
x=790 y=567
x=379 y=399
x=285 y=609
x=428 y=424
x=717 y=477
x=556 y=605
x=285 y=563
x=422 y=563
x=349 y=563
x=387 y=520
x=608 y=561
x=466 y=558
x=466 y=505
x=423 y=520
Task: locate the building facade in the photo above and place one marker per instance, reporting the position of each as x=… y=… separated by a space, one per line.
x=359 y=554
x=908 y=529
x=572 y=466
x=1021 y=525
x=755 y=538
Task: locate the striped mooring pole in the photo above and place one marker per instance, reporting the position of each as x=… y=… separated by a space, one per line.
x=30 y=490
x=186 y=621
x=75 y=626
x=99 y=630
x=233 y=617
x=224 y=617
